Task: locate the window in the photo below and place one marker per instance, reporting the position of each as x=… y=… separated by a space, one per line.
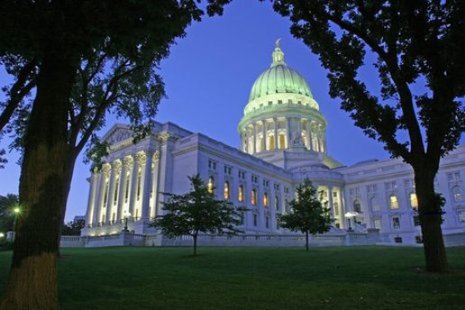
x=240 y=194
x=266 y=183
x=265 y=200
x=253 y=197
x=377 y=223
x=282 y=141
x=357 y=206
x=242 y=219
x=139 y=179
x=395 y=222
x=226 y=190
x=390 y=186
x=276 y=202
x=254 y=178
x=227 y=170
x=241 y=174
x=413 y=200
x=416 y=220
x=453 y=176
x=211 y=185
x=372 y=188
x=286 y=205
x=393 y=202
x=254 y=220
x=336 y=209
x=276 y=187
x=271 y=142
x=462 y=216
x=267 y=222
x=211 y=164
x=457 y=192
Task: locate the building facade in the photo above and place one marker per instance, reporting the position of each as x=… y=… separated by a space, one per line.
x=283 y=141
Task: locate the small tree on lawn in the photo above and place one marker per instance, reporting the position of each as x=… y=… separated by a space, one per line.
x=198 y=211
x=306 y=213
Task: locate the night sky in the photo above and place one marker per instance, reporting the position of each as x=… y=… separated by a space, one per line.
x=208 y=77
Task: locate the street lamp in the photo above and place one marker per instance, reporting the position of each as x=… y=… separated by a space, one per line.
x=2 y=235
x=16 y=212
x=348 y=216
x=126 y=217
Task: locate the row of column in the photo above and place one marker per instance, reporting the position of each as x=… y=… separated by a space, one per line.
x=126 y=188
x=257 y=137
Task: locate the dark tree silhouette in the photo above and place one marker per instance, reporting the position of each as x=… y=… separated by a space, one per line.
x=416 y=43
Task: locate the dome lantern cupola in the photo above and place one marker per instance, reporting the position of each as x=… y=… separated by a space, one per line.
x=281 y=113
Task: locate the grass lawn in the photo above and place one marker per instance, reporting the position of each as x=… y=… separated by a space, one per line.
x=255 y=278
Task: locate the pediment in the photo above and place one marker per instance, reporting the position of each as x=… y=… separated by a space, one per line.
x=117 y=135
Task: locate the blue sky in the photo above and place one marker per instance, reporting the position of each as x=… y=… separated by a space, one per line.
x=208 y=77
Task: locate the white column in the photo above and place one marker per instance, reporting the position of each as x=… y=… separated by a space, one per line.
x=155 y=180
x=275 y=132
x=264 y=132
x=133 y=192
x=115 y=171
x=147 y=185
x=254 y=138
x=309 y=135
x=121 y=191
x=98 y=197
x=288 y=134
x=101 y=206
x=91 y=200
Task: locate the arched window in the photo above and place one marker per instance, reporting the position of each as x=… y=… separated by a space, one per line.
x=226 y=190
x=393 y=202
x=282 y=141
x=457 y=191
x=210 y=185
x=271 y=143
x=240 y=194
x=413 y=200
x=253 y=197
x=265 y=200
x=276 y=202
x=357 y=206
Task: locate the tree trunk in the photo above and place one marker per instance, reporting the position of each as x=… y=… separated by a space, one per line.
x=195 y=244
x=32 y=283
x=429 y=207
x=306 y=240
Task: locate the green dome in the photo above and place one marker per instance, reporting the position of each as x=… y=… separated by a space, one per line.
x=279 y=78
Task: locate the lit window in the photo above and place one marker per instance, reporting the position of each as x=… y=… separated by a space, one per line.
x=253 y=198
x=271 y=143
x=265 y=200
x=240 y=195
x=226 y=190
x=282 y=141
x=210 y=185
x=393 y=202
x=413 y=200
x=457 y=193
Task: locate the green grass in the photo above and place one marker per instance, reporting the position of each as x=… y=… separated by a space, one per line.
x=255 y=278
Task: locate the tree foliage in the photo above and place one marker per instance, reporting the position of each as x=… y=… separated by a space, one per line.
x=198 y=212
x=417 y=113
x=73 y=228
x=77 y=60
x=307 y=214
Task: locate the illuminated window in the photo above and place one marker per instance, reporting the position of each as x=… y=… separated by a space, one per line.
x=265 y=200
x=457 y=193
x=240 y=194
x=211 y=185
x=226 y=190
x=336 y=209
x=253 y=197
x=357 y=206
x=393 y=202
x=282 y=141
x=271 y=142
x=413 y=200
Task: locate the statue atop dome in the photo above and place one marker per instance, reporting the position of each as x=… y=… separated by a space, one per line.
x=278 y=55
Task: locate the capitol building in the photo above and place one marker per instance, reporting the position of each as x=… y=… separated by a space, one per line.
x=282 y=142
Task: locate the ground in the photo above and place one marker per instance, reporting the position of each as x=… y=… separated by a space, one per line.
x=255 y=278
